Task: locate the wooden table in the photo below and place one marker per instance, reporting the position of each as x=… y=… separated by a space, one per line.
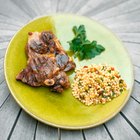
x=122 y=16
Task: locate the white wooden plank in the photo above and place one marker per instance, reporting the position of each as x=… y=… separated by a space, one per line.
x=132 y=47
x=43 y=7
x=4 y=92
x=89 y=6
x=5 y=32
x=54 y=5
x=2 y=52
x=45 y=132
x=3 y=16
x=7 y=19
x=77 y=6
x=27 y=7
x=8 y=27
x=11 y=10
x=132 y=113
x=3 y=45
x=120 y=129
x=5 y=38
x=11 y=21
x=103 y=6
x=135 y=59
x=125 y=18
x=97 y=133
x=1 y=63
x=62 y=5
x=71 y=135
x=1 y=76
x=130 y=37
x=8 y=114
x=126 y=28
x=137 y=73
x=136 y=91
x=134 y=52
x=25 y=128
x=124 y=8
x=70 y=5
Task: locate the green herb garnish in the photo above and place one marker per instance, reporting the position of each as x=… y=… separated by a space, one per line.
x=82 y=47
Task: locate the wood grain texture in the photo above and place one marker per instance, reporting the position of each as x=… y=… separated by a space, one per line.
x=136 y=91
x=120 y=129
x=4 y=92
x=1 y=63
x=44 y=132
x=11 y=10
x=97 y=133
x=137 y=73
x=120 y=9
x=71 y=135
x=1 y=76
x=102 y=7
x=8 y=115
x=121 y=16
x=131 y=112
x=25 y=128
x=130 y=37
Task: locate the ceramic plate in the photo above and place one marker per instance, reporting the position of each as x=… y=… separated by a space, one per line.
x=63 y=110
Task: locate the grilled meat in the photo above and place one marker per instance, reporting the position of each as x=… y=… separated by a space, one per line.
x=47 y=62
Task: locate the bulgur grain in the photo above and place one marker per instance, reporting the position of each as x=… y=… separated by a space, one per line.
x=97 y=84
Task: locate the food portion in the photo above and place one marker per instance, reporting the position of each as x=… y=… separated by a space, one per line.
x=47 y=62
x=82 y=47
x=97 y=84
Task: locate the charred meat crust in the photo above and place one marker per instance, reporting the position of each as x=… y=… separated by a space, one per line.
x=47 y=62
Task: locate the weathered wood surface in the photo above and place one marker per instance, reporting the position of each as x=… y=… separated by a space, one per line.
x=121 y=16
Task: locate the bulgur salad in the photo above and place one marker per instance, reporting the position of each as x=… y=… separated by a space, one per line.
x=97 y=84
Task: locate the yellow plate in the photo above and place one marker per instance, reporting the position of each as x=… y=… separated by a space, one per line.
x=63 y=110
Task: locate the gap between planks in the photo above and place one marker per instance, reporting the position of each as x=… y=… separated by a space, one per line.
x=59 y=134
x=108 y=132
x=135 y=129
x=9 y=136
x=137 y=81
x=35 y=130
x=135 y=99
x=83 y=135
x=5 y=100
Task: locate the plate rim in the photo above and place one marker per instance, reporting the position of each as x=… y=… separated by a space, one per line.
x=58 y=125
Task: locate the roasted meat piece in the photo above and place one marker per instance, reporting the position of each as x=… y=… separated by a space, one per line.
x=47 y=62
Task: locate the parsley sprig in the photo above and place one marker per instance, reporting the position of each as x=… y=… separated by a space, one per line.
x=82 y=47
